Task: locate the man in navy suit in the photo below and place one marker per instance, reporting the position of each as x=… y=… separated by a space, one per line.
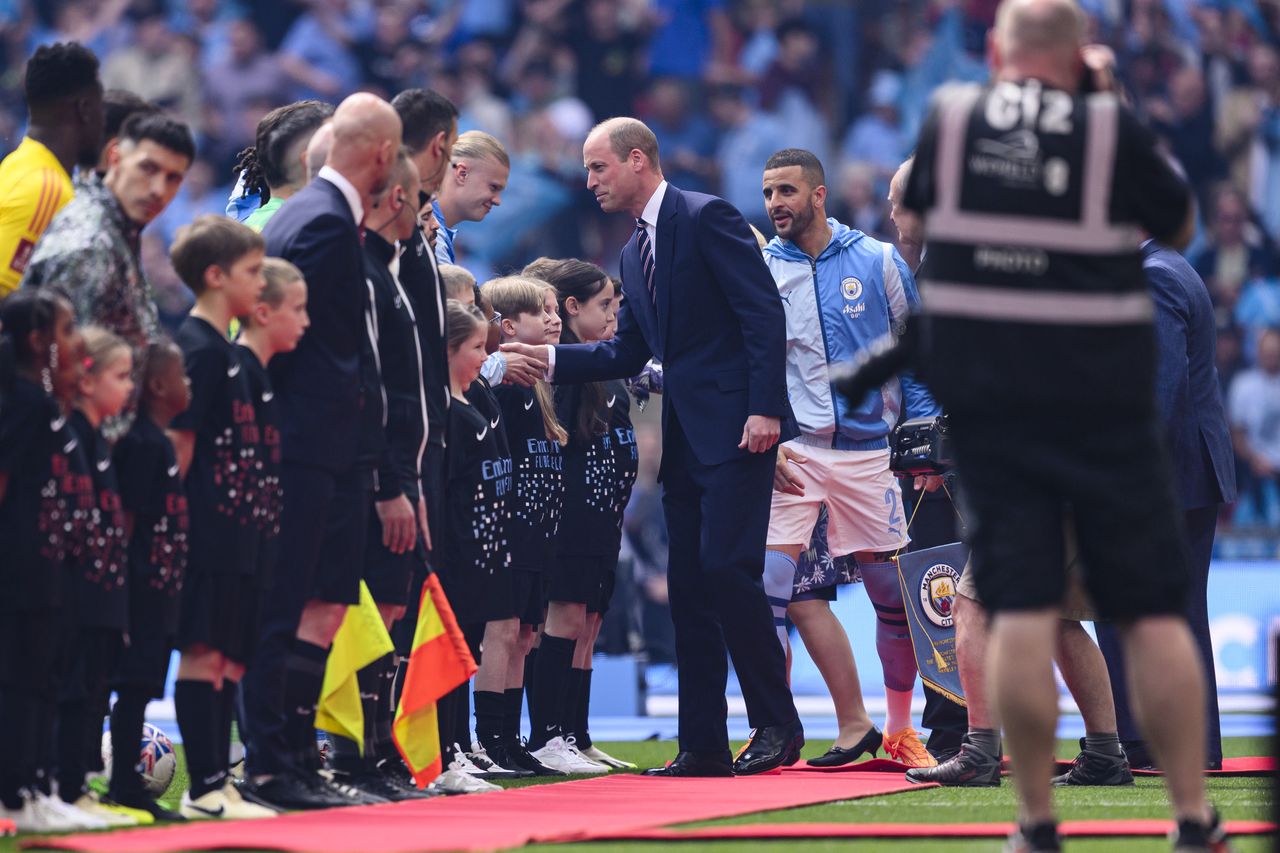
x=700 y=299
x=1199 y=447
x=318 y=390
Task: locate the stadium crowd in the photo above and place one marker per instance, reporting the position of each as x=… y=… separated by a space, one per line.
x=723 y=83
x=211 y=441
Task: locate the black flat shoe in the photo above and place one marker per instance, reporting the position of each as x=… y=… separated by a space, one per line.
x=691 y=764
x=838 y=756
x=770 y=747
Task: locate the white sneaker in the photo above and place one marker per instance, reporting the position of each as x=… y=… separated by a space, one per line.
x=77 y=818
x=485 y=766
x=89 y=804
x=218 y=805
x=457 y=781
x=462 y=761
x=35 y=816
x=560 y=754
x=599 y=756
x=241 y=807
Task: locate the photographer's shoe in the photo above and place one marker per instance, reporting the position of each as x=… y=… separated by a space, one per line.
x=1198 y=837
x=1096 y=769
x=1037 y=838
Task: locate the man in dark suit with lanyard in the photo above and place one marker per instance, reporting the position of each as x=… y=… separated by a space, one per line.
x=1199 y=445
x=320 y=390
x=699 y=297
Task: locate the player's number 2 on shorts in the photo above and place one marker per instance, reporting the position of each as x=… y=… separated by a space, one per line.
x=895 y=511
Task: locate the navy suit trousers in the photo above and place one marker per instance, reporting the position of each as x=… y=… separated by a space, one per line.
x=1200 y=525
x=718 y=518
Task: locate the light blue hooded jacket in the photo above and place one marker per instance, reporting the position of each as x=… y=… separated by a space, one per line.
x=857 y=291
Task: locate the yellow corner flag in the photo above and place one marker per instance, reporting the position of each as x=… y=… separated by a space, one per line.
x=360 y=641
x=440 y=661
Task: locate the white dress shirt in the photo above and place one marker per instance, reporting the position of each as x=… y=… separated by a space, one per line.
x=650 y=216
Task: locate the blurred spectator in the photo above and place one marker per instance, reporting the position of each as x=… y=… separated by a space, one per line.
x=92 y=23
x=1222 y=70
x=535 y=88
x=610 y=61
x=1253 y=408
x=796 y=89
x=1257 y=309
x=248 y=74
x=201 y=193
x=747 y=138
x=210 y=24
x=483 y=18
x=479 y=107
x=797 y=68
x=760 y=20
x=1228 y=355
x=692 y=37
x=686 y=139
x=857 y=199
x=1228 y=261
x=1185 y=121
x=876 y=138
x=316 y=52
x=1248 y=135
x=389 y=62
x=160 y=67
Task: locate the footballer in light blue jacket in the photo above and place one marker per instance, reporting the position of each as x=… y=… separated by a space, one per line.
x=856 y=291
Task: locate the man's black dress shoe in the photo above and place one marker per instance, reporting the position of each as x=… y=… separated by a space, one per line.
x=770 y=747
x=692 y=764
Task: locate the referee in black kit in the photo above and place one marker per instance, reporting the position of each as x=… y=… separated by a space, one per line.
x=1039 y=343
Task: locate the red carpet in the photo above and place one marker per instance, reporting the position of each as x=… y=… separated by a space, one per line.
x=1248 y=766
x=564 y=812
x=1072 y=828
x=1256 y=765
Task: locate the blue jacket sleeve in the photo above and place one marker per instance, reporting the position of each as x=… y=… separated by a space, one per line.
x=1172 y=321
x=733 y=254
x=621 y=357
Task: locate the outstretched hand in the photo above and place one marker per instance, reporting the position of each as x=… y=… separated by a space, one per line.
x=526 y=363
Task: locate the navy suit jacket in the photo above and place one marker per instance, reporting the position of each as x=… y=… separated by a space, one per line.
x=1187 y=392
x=718 y=327
x=317 y=385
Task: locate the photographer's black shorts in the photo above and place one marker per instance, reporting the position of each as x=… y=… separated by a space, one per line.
x=1018 y=478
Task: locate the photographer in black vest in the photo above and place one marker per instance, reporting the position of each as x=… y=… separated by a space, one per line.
x=1039 y=343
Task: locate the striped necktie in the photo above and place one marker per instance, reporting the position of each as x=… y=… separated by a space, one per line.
x=646 y=258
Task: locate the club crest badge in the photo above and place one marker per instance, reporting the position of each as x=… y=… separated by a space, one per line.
x=938 y=594
x=851 y=287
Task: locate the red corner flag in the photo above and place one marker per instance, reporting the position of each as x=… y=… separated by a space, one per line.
x=440 y=661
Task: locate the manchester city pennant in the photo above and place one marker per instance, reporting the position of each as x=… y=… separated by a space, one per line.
x=929 y=579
